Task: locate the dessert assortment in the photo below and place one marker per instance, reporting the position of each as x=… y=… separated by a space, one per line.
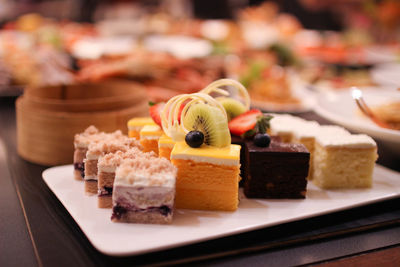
x=196 y=150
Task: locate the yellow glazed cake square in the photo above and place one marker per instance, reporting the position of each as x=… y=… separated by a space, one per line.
x=208 y=177
x=149 y=136
x=136 y=124
x=165 y=146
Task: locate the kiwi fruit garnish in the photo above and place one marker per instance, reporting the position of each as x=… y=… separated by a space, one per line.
x=232 y=107
x=211 y=121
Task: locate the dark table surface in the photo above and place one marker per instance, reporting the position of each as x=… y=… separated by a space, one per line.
x=36 y=230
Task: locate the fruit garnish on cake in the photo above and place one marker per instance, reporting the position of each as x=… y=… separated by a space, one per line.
x=233 y=106
x=207 y=162
x=235 y=102
x=252 y=123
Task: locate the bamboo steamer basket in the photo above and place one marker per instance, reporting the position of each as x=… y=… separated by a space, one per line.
x=49 y=117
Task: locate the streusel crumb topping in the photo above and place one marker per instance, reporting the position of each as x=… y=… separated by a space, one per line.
x=157 y=171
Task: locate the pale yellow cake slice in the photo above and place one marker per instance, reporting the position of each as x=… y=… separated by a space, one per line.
x=306 y=132
x=344 y=161
x=208 y=177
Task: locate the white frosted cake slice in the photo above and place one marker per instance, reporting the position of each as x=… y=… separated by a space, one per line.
x=343 y=160
x=112 y=143
x=282 y=126
x=106 y=167
x=144 y=191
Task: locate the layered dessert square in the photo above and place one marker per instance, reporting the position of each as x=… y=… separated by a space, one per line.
x=165 y=146
x=136 y=124
x=81 y=144
x=344 y=161
x=111 y=144
x=144 y=191
x=276 y=171
x=106 y=167
x=208 y=177
x=149 y=136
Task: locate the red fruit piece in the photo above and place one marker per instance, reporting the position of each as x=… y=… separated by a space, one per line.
x=155 y=112
x=244 y=122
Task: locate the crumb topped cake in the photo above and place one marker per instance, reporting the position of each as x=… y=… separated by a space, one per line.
x=81 y=144
x=144 y=191
x=112 y=143
x=107 y=165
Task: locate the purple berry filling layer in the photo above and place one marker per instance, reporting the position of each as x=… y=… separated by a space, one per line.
x=119 y=211
x=105 y=191
x=80 y=166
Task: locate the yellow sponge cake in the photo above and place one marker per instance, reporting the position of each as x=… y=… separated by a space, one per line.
x=149 y=136
x=165 y=146
x=136 y=124
x=208 y=177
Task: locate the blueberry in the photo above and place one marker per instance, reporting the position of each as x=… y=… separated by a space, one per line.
x=262 y=140
x=194 y=138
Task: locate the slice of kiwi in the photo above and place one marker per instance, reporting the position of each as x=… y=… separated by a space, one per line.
x=232 y=107
x=211 y=121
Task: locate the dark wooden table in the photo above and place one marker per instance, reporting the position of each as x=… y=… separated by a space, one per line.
x=36 y=230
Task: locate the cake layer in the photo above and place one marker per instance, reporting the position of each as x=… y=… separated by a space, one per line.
x=339 y=167
x=91 y=187
x=206 y=199
x=161 y=215
x=206 y=176
x=78 y=173
x=80 y=154
x=106 y=179
x=143 y=197
x=229 y=155
x=165 y=152
x=104 y=202
x=150 y=145
x=91 y=169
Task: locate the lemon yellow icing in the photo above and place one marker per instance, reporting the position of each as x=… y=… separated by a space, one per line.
x=229 y=155
x=166 y=141
x=139 y=122
x=151 y=132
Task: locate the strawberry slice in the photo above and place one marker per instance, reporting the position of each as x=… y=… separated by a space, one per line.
x=244 y=122
x=155 y=112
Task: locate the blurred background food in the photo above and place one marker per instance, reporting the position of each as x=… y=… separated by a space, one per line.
x=282 y=51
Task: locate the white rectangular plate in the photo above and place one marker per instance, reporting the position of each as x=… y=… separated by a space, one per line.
x=190 y=226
